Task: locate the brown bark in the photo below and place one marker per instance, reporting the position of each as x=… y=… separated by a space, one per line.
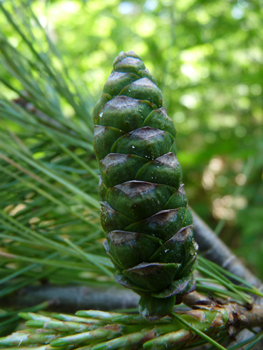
x=212 y=248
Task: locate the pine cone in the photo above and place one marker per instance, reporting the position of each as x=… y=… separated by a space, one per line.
x=144 y=212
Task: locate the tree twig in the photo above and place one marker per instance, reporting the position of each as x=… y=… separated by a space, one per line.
x=212 y=248
x=72 y=298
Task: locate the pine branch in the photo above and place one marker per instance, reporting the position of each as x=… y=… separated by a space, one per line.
x=108 y=330
x=71 y=298
x=213 y=249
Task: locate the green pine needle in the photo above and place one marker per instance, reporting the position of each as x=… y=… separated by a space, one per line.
x=197 y=331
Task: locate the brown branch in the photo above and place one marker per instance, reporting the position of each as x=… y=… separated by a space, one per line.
x=212 y=248
x=239 y=316
x=72 y=298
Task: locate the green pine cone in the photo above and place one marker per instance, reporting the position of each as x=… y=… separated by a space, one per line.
x=144 y=212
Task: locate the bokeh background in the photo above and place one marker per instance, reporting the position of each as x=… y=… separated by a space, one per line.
x=207 y=58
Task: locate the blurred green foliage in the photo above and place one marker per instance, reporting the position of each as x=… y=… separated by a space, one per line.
x=207 y=57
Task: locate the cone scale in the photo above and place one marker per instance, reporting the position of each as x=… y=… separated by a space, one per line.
x=144 y=209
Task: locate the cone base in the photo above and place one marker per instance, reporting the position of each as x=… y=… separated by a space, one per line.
x=153 y=308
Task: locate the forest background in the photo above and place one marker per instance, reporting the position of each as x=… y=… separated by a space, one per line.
x=207 y=58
